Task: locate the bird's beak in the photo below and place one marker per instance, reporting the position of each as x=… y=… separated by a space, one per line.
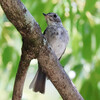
x=44 y=14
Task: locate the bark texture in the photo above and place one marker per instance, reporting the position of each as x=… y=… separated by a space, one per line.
x=36 y=46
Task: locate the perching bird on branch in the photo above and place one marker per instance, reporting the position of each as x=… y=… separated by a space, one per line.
x=57 y=37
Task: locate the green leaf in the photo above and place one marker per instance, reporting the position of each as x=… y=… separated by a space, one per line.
x=86 y=33
x=78 y=69
x=7 y=55
x=97 y=35
x=14 y=66
x=65 y=60
x=89 y=6
x=86 y=90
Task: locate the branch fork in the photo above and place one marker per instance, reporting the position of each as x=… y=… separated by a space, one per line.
x=35 y=46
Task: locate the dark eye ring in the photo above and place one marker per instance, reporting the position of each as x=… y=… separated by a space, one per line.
x=55 y=15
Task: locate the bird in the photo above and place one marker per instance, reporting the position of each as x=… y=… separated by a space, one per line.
x=57 y=37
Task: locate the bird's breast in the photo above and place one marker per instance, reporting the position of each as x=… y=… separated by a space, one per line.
x=57 y=39
x=58 y=46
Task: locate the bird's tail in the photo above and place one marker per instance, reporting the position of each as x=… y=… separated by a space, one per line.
x=38 y=83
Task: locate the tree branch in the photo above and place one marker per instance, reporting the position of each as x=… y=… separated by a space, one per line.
x=36 y=46
x=21 y=74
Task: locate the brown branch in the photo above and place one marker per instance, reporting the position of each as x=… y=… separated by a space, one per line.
x=20 y=76
x=35 y=46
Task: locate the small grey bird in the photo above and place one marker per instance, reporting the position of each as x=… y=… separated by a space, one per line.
x=57 y=37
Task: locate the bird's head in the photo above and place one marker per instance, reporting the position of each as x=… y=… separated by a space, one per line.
x=52 y=18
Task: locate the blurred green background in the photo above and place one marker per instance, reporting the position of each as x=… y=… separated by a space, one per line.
x=82 y=57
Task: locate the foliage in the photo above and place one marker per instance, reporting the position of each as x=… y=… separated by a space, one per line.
x=82 y=57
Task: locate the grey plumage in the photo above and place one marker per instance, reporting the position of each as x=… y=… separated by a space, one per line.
x=57 y=37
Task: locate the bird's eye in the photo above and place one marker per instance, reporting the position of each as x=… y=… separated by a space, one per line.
x=54 y=15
